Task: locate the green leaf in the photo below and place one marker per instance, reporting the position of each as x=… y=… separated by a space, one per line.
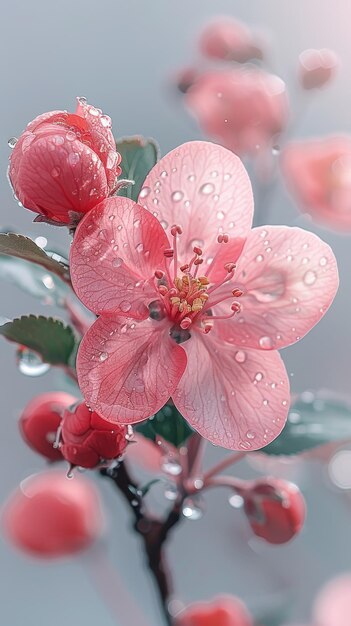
x=49 y=337
x=139 y=155
x=167 y=423
x=314 y=420
x=24 y=248
x=34 y=280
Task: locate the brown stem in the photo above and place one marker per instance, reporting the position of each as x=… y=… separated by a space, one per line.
x=154 y=533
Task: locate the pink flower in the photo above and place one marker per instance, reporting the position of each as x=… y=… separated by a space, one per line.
x=88 y=439
x=333 y=604
x=241 y=108
x=317 y=67
x=170 y=324
x=65 y=163
x=49 y=516
x=318 y=174
x=221 y=611
x=229 y=39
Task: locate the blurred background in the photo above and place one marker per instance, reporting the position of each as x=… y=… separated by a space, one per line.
x=123 y=56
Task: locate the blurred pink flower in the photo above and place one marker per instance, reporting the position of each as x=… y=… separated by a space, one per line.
x=318 y=174
x=244 y=109
x=49 y=516
x=166 y=329
x=228 y=39
x=65 y=163
x=317 y=67
x=221 y=611
x=333 y=604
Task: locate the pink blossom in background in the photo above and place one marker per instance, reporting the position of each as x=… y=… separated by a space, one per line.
x=243 y=109
x=170 y=324
x=333 y=604
x=221 y=611
x=49 y=516
x=318 y=174
x=317 y=67
x=229 y=40
x=65 y=163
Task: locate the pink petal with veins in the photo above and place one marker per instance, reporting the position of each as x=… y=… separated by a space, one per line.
x=128 y=369
x=115 y=252
x=204 y=188
x=289 y=277
x=238 y=399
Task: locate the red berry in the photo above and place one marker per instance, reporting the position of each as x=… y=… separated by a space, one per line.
x=40 y=420
x=222 y=611
x=275 y=508
x=88 y=439
x=50 y=516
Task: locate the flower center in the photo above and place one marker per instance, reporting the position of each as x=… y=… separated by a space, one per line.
x=186 y=297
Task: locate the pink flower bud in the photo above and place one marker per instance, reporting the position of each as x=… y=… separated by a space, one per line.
x=50 y=516
x=317 y=67
x=275 y=508
x=65 y=163
x=222 y=611
x=88 y=439
x=40 y=420
x=229 y=40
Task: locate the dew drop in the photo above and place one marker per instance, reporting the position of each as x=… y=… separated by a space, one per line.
x=30 y=364
x=171 y=466
x=310 y=278
x=73 y=158
x=266 y=342
x=259 y=258
x=12 y=142
x=177 y=196
x=236 y=501
x=117 y=262
x=250 y=434
x=259 y=376
x=323 y=261
x=106 y=121
x=125 y=306
x=71 y=136
x=111 y=159
x=164 y=224
x=192 y=509
x=227 y=176
x=206 y=189
x=191 y=178
x=144 y=192
x=164 y=174
x=139 y=247
x=240 y=356
x=55 y=172
x=220 y=215
x=103 y=356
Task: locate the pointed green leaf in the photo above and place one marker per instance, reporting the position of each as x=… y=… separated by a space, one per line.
x=167 y=423
x=314 y=420
x=49 y=337
x=139 y=155
x=24 y=248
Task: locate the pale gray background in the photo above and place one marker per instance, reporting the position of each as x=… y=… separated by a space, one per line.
x=120 y=55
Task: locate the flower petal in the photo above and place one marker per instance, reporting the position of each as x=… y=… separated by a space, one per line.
x=238 y=399
x=204 y=188
x=289 y=277
x=127 y=370
x=116 y=250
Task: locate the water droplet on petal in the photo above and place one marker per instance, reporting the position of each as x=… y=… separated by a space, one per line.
x=177 y=196
x=266 y=343
x=259 y=376
x=125 y=306
x=207 y=189
x=106 y=121
x=103 y=356
x=250 y=434
x=171 y=466
x=259 y=258
x=240 y=356
x=117 y=262
x=111 y=159
x=323 y=261
x=55 y=172
x=73 y=158
x=144 y=192
x=310 y=277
